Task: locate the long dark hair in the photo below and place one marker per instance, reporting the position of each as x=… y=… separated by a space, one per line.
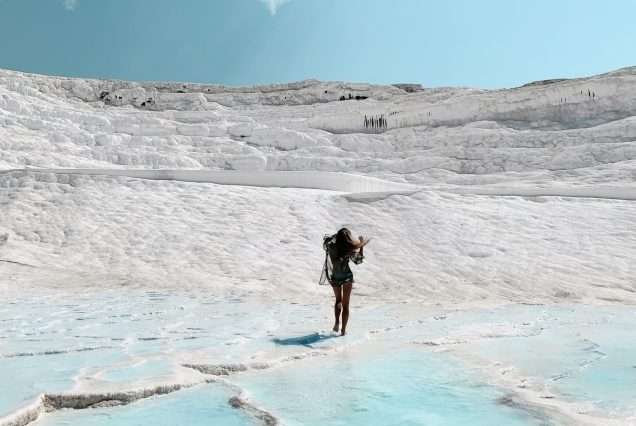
x=345 y=244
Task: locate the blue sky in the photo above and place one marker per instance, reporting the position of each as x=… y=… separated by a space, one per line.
x=488 y=44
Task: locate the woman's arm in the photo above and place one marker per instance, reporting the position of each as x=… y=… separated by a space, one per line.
x=357 y=259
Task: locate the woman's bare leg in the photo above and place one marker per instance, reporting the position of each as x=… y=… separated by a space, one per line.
x=346 y=295
x=336 y=307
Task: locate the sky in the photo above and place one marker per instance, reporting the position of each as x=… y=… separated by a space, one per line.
x=486 y=44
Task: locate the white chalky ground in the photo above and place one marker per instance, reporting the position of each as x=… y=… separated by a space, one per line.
x=160 y=246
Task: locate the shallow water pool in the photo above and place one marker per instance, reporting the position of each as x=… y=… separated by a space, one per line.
x=199 y=406
x=385 y=388
x=396 y=366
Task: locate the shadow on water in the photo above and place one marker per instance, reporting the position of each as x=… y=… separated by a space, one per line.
x=307 y=340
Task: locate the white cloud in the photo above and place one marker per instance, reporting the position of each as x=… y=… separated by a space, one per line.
x=272 y=5
x=70 y=4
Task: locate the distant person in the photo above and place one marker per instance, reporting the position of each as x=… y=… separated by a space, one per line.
x=341 y=248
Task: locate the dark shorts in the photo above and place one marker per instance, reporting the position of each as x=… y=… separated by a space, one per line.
x=339 y=281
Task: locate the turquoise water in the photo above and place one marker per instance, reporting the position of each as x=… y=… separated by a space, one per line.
x=607 y=378
x=394 y=367
x=139 y=370
x=409 y=387
x=585 y=355
x=388 y=388
x=199 y=406
x=26 y=377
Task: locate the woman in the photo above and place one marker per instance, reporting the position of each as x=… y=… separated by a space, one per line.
x=341 y=248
